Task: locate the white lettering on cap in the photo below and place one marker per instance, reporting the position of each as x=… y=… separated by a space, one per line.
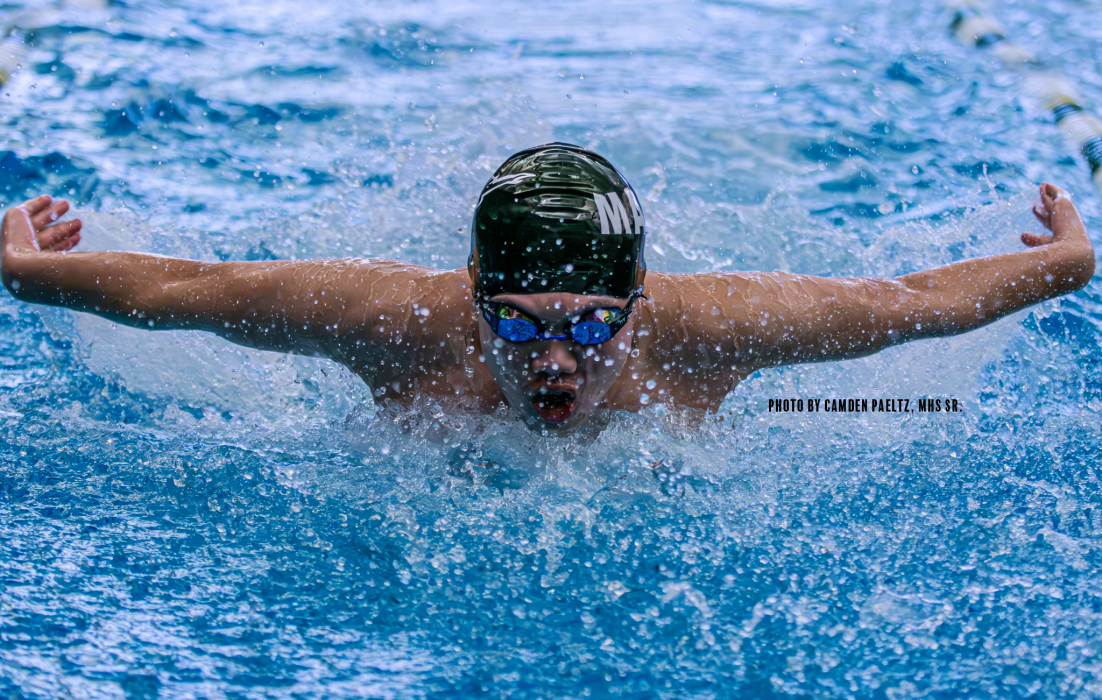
x=636 y=212
x=614 y=217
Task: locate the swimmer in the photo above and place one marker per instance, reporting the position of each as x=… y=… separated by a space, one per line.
x=556 y=314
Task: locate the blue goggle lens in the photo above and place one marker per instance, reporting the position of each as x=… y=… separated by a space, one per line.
x=519 y=330
x=516 y=330
x=591 y=333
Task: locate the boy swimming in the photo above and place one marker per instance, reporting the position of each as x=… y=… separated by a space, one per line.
x=556 y=314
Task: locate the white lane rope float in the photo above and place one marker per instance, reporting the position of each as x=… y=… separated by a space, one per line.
x=973 y=26
x=17 y=30
x=12 y=48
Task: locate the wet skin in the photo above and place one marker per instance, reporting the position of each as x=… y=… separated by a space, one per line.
x=412 y=331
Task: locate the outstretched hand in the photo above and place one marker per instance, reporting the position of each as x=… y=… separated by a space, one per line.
x=1058 y=214
x=33 y=227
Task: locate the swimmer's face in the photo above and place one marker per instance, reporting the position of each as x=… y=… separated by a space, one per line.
x=556 y=384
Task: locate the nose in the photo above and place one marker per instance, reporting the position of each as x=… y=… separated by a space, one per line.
x=555 y=359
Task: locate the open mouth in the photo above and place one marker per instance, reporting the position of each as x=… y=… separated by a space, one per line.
x=555 y=406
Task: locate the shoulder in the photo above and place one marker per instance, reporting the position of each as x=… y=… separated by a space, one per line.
x=670 y=289
x=706 y=320
x=375 y=289
x=406 y=308
x=691 y=303
x=405 y=323
x=403 y=278
x=391 y=291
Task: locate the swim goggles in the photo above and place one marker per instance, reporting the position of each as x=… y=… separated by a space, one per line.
x=595 y=327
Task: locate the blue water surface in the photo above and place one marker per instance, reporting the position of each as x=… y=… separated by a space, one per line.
x=183 y=518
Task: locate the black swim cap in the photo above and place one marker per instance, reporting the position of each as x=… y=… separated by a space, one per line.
x=557 y=218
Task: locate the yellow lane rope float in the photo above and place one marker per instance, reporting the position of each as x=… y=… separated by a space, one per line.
x=973 y=26
x=12 y=48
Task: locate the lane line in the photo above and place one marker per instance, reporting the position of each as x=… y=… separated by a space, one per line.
x=974 y=26
x=12 y=48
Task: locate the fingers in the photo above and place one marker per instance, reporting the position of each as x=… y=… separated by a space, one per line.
x=50 y=214
x=1035 y=239
x=31 y=227
x=1044 y=216
x=34 y=206
x=1054 y=192
x=65 y=244
x=1066 y=224
x=1045 y=210
x=1048 y=197
x=57 y=234
x=1050 y=194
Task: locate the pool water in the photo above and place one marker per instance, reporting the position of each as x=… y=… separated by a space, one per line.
x=180 y=517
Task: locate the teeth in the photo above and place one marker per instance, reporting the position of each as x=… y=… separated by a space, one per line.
x=555 y=397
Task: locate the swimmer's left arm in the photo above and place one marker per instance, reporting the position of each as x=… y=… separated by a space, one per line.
x=778 y=318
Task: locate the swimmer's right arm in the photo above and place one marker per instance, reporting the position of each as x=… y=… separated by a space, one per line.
x=310 y=307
